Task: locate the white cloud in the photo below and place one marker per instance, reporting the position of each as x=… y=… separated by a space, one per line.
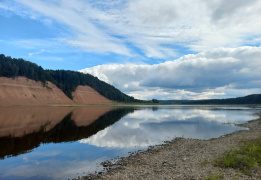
x=210 y=74
x=76 y=16
x=38 y=52
x=157 y=28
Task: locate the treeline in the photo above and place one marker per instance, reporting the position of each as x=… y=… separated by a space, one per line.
x=250 y=99
x=66 y=80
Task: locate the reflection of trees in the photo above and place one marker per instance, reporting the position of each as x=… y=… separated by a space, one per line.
x=65 y=131
x=154 y=108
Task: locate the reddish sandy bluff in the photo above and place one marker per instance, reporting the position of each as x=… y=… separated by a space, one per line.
x=23 y=91
x=87 y=95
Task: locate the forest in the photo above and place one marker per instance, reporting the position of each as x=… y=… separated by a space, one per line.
x=250 y=99
x=66 y=80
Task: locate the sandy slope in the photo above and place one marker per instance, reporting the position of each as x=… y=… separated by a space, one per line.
x=87 y=95
x=23 y=91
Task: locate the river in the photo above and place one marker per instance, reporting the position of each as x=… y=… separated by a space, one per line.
x=67 y=142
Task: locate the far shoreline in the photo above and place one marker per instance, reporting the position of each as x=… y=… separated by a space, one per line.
x=124 y=104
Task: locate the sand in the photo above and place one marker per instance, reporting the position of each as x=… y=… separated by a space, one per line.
x=87 y=95
x=26 y=92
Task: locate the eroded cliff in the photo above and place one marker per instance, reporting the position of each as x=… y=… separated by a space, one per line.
x=23 y=91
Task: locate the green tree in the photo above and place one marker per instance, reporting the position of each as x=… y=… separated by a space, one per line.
x=155 y=101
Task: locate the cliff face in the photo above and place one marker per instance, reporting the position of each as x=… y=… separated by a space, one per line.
x=87 y=95
x=23 y=91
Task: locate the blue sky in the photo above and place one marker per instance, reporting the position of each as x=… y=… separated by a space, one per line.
x=146 y=48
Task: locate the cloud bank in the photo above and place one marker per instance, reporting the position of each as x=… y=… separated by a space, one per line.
x=210 y=74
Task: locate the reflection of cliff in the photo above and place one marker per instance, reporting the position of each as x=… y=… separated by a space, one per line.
x=74 y=133
x=19 y=121
x=64 y=131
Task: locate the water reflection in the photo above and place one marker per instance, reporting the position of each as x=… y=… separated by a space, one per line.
x=32 y=139
x=151 y=126
x=77 y=124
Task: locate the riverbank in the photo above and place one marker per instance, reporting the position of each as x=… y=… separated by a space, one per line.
x=183 y=159
x=21 y=91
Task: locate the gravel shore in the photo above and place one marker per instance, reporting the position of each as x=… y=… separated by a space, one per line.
x=182 y=159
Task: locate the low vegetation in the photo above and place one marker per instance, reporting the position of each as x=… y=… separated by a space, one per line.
x=214 y=176
x=245 y=159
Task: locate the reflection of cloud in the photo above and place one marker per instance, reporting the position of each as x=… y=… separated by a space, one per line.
x=146 y=127
x=37 y=162
x=61 y=167
x=49 y=169
x=25 y=159
x=47 y=154
x=119 y=137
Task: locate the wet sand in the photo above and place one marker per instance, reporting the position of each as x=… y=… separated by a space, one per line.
x=182 y=159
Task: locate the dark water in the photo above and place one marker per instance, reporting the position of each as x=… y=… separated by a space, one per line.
x=67 y=142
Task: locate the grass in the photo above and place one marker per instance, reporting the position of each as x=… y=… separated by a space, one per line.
x=244 y=159
x=214 y=176
x=204 y=163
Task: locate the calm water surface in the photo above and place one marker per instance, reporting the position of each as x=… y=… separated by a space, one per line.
x=67 y=142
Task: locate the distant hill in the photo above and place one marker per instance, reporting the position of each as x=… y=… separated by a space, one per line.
x=66 y=80
x=250 y=99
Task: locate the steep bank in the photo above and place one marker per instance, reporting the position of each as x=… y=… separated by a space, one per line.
x=66 y=80
x=87 y=95
x=23 y=91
